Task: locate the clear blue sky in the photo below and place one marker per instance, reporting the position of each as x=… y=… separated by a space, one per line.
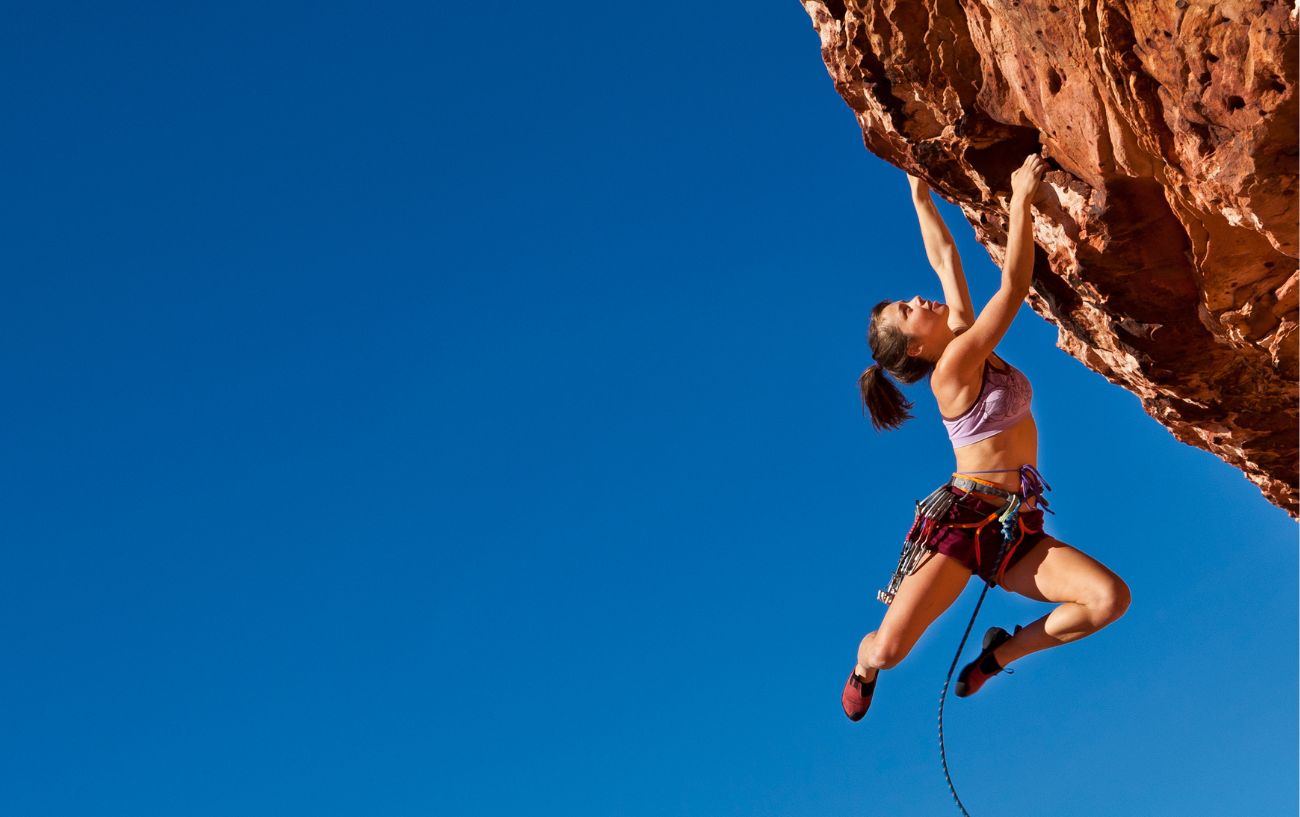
x=452 y=410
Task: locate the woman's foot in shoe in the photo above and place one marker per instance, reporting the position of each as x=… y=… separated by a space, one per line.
x=857 y=694
x=973 y=676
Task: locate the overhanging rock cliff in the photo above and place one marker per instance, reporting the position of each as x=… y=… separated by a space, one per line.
x=1167 y=237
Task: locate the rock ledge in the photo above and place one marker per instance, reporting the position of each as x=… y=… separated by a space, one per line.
x=1167 y=232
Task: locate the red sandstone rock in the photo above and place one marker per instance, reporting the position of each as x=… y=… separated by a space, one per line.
x=1167 y=232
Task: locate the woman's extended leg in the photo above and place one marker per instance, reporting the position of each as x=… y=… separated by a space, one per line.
x=921 y=598
x=1092 y=597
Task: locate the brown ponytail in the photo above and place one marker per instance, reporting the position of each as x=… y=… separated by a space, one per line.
x=881 y=399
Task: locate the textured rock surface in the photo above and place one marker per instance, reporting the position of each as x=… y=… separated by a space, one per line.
x=1167 y=232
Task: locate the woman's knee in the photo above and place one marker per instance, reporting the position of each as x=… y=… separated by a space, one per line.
x=885 y=652
x=1109 y=600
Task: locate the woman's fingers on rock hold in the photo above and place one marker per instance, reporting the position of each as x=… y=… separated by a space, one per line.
x=1026 y=178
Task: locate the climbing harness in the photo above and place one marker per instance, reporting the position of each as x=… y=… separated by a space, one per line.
x=930 y=515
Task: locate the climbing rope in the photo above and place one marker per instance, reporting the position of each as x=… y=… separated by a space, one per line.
x=943 y=755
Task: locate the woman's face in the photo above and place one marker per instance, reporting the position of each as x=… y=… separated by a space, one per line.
x=920 y=320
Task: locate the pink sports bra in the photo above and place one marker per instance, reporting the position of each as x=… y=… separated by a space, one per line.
x=1003 y=401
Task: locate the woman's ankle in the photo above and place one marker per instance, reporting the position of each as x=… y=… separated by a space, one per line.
x=1009 y=650
x=865 y=673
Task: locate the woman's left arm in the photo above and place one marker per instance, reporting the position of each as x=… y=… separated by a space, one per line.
x=942 y=252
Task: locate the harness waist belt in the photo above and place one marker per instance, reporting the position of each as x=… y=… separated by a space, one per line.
x=971 y=485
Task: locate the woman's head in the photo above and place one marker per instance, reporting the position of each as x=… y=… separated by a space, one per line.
x=906 y=338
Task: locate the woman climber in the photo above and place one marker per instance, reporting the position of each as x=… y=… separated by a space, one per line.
x=987 y=520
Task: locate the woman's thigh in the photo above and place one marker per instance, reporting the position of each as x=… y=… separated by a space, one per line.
x=922 y=597
x=1054 y=571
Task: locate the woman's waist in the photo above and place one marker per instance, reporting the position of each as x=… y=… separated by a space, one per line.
x=998 y=460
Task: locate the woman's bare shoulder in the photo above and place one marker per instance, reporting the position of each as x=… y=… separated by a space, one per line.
x=953 y=387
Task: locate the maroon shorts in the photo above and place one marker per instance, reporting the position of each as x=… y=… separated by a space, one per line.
x=976 y=546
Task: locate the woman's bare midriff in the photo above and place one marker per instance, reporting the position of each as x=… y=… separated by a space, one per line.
x=1008 y=451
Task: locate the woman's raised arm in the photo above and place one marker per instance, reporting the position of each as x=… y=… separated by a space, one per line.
x=967 y=352
x=942 y=252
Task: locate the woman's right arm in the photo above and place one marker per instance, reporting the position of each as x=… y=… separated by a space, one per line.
x=968 y=351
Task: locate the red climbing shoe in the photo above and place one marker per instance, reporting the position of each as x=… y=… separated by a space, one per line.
x=857 y=695
x=975 y=673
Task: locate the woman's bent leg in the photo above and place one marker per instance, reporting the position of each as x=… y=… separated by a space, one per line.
x=922 y=597
x=1092 y=597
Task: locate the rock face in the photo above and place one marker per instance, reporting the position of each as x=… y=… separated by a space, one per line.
x=1166 y=231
